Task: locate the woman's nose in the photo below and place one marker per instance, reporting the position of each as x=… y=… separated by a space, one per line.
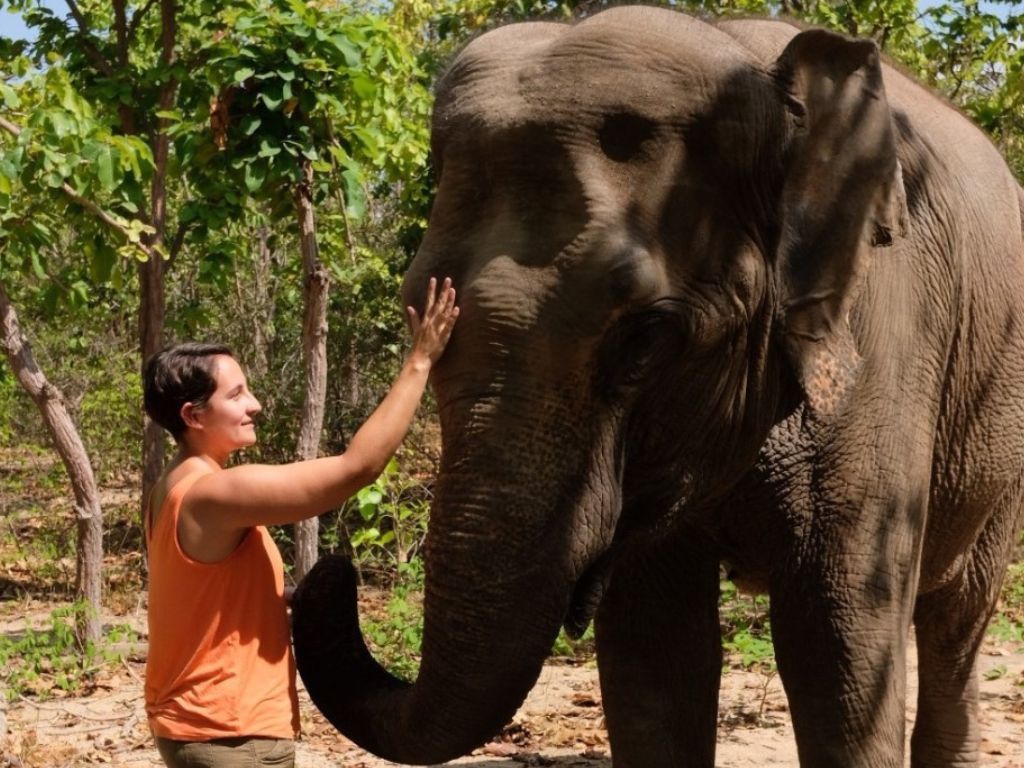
x=254 y=406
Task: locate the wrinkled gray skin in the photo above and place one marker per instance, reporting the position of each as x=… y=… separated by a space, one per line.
x=729 y=293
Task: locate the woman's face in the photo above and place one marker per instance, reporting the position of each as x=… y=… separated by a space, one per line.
x=226 y=421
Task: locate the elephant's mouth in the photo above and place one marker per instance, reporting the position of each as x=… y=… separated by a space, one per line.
x=586 y=597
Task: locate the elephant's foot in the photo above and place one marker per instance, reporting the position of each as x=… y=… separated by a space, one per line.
x=946 y=733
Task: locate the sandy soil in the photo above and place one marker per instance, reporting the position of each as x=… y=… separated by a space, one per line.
x=560 y=724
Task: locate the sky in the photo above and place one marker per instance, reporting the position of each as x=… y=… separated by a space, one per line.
x=12 y=26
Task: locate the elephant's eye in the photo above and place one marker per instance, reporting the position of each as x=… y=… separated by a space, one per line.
x=635 y=347
x=622 y=136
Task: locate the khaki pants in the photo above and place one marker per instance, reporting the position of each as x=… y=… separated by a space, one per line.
x=228 y=753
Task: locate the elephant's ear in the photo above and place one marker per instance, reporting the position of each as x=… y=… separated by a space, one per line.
x=841 y=194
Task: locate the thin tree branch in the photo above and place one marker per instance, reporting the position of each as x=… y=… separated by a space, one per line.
x=161 y=141
x=121 y=32
x=177 y=242
x=90 y=48
x=106 y=217
x=133 y=25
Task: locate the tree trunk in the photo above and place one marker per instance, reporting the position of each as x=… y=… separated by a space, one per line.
x=151 y=331
x=355 y=389
x=152 y=307
x=314 y=354
x=50 y=401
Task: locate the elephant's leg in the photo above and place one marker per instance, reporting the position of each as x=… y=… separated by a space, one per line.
x=950 y=625
x=946 y=726
x=840 y=620
x=660 y=657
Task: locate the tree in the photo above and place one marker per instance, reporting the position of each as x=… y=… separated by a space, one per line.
x=130 y=62
x=88 y=513
x=304 y=118
x=60 y=161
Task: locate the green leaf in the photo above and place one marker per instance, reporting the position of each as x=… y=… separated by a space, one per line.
x=127 y=154
x=249 y=124
x=267 y=149
x=10 y=166
x=338 y=153
x=105 y=167
x=349 y=51
x=364 y=87
x=80 y=292
x=995 y=672
x=355 y=198
x=10 y=96
x=37 y=265
x=255 y=175
x=271 y=96
x=243 y=74
x=103 y=260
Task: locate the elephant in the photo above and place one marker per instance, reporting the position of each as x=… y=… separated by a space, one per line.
x=732 y=292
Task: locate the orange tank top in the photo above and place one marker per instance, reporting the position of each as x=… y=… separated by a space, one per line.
x=220 y=662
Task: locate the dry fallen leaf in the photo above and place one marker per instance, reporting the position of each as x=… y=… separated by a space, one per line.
x=585 y=700
x=992 y=748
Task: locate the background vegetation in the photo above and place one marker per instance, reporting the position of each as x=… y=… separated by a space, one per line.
x=179 y=135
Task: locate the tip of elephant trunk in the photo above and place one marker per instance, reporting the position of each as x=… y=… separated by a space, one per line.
x=413 y=724
x=467 y=688
x=336 y=667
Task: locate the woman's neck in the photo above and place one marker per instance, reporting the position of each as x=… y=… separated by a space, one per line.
x=186 y=452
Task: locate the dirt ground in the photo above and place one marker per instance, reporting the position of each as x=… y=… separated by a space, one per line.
x=560 y=724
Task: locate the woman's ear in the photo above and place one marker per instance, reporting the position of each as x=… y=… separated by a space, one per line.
x=842 y=193
x=190 y=415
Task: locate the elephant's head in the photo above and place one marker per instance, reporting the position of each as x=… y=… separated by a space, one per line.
x=655 y=238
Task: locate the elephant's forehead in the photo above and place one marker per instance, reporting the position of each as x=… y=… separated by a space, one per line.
x=660 y=64
x=504 y=286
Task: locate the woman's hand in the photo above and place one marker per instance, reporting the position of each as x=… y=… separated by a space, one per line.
x=430 y=333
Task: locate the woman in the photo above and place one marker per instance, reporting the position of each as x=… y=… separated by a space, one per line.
x=220 y=678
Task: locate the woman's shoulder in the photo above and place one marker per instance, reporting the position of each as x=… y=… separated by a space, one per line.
x=172 y=476
x=192 y=465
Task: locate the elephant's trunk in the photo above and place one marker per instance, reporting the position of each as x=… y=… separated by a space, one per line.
x=492 y=612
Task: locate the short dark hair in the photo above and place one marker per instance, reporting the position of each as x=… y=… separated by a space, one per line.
x=177 y=375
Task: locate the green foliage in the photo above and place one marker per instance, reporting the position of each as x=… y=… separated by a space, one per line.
x=1005 y=629
x=976 y=58
x=294 y=83
x=85 y=351
x=63 y=144
x=582 y=650
x=996 y=672
x=1008 y=623
x=746 y=630
x=11 y=400
x=111 y=418
x=396 y=635
x=48 y=662
x=392 y=519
